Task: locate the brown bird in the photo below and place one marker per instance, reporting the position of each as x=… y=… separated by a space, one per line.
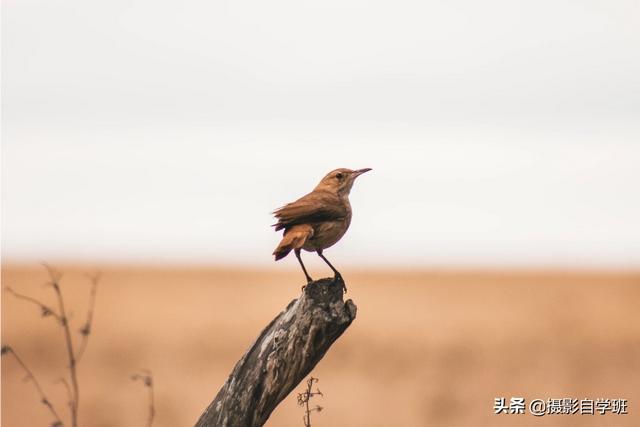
x=318 y=220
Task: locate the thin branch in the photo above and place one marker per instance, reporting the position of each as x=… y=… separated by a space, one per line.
x=54 y=274
x=55 y=277
x=61 y=315
x=85 y=331
x=45 y=310
x=31 y=377
x=305 y=397
x=68 y=390
x=147 y=379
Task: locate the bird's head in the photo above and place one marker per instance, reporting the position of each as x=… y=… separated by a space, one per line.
x=340 y=181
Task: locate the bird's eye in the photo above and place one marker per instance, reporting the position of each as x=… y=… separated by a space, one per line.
x=339 y=175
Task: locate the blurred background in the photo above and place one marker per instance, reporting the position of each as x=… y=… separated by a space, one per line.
x=494 y=249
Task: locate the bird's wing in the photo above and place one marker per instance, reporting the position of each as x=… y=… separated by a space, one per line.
x=312 y=208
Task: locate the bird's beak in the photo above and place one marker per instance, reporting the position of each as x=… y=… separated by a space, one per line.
x=359 y=172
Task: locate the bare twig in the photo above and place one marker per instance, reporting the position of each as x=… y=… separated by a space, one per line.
x=45 y=310
x=305 y=397
x=67 y=387
x=55 y=278
x=72 y=388
x=31 y=377
x=85 y=331
x=147 y=379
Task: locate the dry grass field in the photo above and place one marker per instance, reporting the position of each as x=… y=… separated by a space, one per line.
x=427 y=347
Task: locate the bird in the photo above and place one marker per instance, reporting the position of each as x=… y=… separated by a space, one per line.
x=317 y=220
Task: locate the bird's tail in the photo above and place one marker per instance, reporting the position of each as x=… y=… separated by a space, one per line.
x=294 y=238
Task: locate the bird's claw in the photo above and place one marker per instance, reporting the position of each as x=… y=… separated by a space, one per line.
x=338 y=278
x=309 y=280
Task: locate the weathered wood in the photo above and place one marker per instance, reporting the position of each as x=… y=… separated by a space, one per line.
x=284 y=353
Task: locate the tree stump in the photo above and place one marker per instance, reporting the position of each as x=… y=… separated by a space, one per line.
x=282 y=356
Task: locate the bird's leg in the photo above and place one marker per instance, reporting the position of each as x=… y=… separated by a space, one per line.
x=336 y=272
x=309 y=279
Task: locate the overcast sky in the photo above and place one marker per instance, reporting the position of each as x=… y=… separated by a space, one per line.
x=501 y=133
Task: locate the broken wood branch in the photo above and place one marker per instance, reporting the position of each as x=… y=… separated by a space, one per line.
x=282 y=356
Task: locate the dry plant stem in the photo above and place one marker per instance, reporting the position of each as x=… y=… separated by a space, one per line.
x=307 y=397
x=304 y=399
x=69 y=344
x=282 y=355
x=67 y=388
x=45 y=309
x=31 y=377
x=73 y=390
x=72 y=358
x=86 y=329
x=307 y=420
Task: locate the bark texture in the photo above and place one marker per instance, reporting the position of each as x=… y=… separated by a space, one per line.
x=282 y=356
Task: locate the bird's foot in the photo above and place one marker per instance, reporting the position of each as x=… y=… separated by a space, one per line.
x=309 y=280
x=338 y=278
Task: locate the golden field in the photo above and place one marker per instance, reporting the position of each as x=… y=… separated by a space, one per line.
x=427 y=347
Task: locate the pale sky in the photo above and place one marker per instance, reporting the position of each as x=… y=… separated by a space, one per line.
x=501 y=133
